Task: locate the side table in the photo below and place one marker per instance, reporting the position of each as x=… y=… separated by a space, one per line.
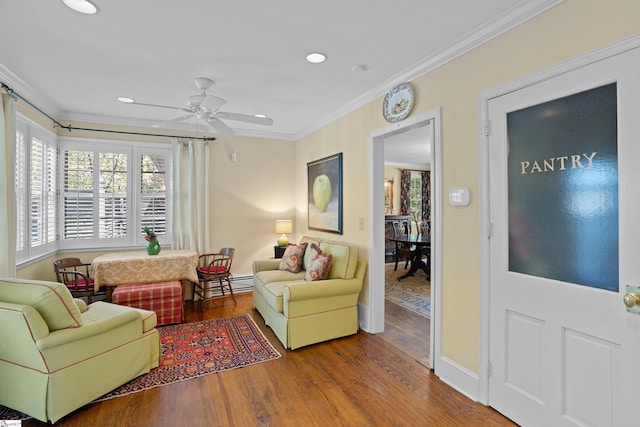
x=278 y=251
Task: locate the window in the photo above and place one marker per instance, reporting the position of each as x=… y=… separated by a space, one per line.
x=111 y=191
x=36 y=188
x=415 y=195
x=153 y=192
x=76 y=193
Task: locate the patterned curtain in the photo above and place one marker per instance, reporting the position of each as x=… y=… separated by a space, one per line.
x=405 y=186
x=426 y=196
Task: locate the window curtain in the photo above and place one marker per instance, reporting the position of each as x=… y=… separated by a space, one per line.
x=190 y=195
x=8 y=224
x=405 y=188
x=426 y=196
x=426 y=199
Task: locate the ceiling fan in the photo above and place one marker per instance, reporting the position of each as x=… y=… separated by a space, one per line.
x=209 y=114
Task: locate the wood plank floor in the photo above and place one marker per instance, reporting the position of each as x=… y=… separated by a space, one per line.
x=361 y=380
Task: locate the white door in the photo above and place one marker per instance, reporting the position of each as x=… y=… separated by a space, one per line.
x=565 y=215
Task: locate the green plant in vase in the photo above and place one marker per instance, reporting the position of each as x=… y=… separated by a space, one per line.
x=153 y=247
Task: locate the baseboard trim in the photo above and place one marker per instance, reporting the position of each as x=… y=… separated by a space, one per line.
x=458 y=377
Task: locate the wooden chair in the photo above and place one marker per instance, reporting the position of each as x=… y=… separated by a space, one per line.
x=75 y=275
x=424 y=228
x=214 y=269
x=401 y=229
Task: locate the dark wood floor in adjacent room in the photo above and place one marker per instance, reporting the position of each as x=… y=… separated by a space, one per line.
x=361 y=380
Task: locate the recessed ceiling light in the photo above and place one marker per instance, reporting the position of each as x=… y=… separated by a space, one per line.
x=262 y=116
x=82 y=6
x=316 y=57
x=126 y=99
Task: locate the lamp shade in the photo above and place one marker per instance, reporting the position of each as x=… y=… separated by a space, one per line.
x=284 y=226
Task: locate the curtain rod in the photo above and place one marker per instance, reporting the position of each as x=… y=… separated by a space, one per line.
x=56 y=123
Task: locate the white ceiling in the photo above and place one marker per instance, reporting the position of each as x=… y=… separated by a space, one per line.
x=74 y=66
x=410 y=149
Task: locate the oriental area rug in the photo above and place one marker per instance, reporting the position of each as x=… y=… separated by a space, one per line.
x=191 y=350
x=412 y=293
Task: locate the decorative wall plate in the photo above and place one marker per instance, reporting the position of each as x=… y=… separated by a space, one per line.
x=398 y=103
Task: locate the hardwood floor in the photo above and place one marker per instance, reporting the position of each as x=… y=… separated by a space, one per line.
x=361 y=380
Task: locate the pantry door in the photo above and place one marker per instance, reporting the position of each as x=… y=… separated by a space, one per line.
x=564 y=209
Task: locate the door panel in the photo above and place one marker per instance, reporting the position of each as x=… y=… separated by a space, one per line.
x=562 y=345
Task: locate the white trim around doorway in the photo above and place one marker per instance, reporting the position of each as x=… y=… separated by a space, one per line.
x=372 y=316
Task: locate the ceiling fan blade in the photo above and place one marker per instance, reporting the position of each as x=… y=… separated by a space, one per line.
x=266 y=121
x=161 y=106
x=176 y=120
x=218 y=125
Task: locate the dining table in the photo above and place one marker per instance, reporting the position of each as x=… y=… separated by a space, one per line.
x=419 y=244
x=138 y=267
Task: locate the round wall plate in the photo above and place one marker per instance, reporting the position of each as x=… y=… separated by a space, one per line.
x=398 y=103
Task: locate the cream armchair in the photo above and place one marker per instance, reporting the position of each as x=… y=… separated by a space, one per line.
x=58 y=354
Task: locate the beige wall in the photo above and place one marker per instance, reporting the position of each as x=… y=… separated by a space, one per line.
x=570 y=29
x=249 y=195
x=268 y=181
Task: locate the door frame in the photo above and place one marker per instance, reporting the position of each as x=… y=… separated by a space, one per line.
x=484 y=132
x=374 y=319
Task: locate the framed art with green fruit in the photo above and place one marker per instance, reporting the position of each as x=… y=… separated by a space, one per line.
x=324 y=189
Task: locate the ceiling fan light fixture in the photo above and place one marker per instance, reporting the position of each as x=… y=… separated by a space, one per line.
x=82 y=6
x=316 y=57
x=126 y=99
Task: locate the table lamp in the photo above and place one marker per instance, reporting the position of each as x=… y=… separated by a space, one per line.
x=284 y=227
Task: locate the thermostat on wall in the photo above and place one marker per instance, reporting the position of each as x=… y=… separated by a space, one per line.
x=459 y=196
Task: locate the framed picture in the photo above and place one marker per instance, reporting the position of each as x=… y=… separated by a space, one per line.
x=324 y=189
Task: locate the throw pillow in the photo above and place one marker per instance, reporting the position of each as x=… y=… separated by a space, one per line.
x=292 y=258
x=319 y=268
x=312 y=251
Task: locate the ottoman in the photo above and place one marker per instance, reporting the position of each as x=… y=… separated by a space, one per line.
x=165 y=298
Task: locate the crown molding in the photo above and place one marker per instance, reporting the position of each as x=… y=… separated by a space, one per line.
x=517 y=15
x=9 y=78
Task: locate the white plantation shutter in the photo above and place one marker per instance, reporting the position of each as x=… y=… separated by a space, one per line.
x=43 y=189
x=153 y=191
x=37 y=195
x=112 y=203
x=21 y=189
x=36 y=190
x=77 y=194
x=50 y=190
x=111 y=191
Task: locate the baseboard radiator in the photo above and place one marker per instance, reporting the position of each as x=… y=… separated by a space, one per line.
x=240 y=285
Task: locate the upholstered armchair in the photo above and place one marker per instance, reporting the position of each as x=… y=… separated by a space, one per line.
x=58 y=354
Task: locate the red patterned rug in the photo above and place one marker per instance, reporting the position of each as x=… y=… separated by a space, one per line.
x=191 y=350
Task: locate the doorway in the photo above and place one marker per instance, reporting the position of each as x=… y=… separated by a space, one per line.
x=375 y=318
